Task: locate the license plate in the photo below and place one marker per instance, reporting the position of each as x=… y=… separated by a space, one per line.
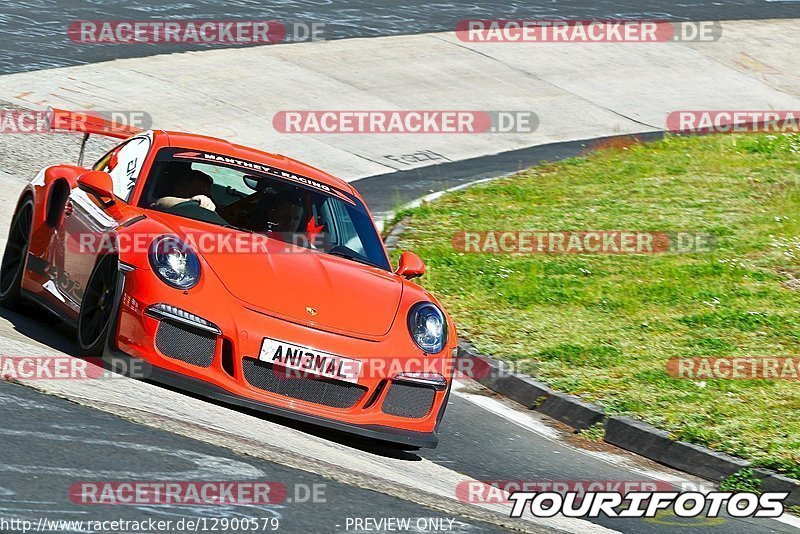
x=308 y=360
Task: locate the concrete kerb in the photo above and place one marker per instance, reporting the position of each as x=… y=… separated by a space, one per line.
x=392 y=237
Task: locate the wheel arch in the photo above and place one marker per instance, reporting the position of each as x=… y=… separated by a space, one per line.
x=27 y=193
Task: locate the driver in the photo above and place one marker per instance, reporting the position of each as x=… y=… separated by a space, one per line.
x=196 y=186
x=284 y=214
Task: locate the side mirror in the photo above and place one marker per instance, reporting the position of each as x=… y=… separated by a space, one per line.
x=97 y=183
x=410 y=266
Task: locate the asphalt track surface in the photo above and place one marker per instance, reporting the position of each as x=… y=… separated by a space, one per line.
x=385 y=192
x=33 y=33
x=74 y=443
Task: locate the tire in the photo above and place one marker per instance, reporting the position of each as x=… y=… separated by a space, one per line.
x=97 y=307
x=16 y=254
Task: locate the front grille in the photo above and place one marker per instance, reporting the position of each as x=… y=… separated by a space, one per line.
x=304 y=387
x=181 y=343
x=408 y=400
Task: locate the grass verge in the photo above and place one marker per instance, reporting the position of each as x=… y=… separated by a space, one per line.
x=604 y=326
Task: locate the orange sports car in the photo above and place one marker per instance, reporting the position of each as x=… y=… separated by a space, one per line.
x=236 y=274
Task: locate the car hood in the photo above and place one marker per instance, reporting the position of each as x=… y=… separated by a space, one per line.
x=302 y=286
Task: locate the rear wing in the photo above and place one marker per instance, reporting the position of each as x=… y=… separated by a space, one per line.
x=89 y=123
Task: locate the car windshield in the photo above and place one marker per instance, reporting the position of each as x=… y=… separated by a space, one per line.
x=256 y=198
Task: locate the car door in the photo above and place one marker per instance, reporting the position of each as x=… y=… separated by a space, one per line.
x=89 y=221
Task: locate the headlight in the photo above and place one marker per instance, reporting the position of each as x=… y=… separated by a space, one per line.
x=174 y=262
x=427 y=327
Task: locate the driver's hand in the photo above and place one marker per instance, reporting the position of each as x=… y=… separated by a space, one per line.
x=205 y=202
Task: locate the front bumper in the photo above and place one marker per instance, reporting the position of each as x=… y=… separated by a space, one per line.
x=134 y=338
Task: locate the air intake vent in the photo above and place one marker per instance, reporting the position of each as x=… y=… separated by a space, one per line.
x=324 y=391
x=408 y=400
x=187 y=345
